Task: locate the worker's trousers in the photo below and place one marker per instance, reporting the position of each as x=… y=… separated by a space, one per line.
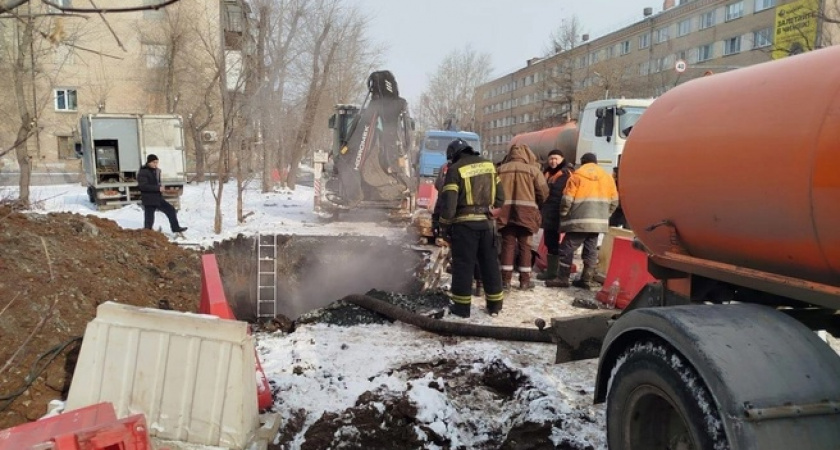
x=164 y=207
x=572 y=241
x=474 y=242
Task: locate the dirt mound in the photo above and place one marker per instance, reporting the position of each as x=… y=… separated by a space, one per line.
x=56 y=269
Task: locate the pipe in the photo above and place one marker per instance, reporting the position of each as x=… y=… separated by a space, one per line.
x=449 y=328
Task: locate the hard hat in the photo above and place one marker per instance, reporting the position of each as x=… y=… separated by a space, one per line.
x=456 y=147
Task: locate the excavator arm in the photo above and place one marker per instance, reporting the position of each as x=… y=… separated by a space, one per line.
x=371 y=158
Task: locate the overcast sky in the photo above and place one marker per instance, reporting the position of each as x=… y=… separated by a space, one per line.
x=418 y=34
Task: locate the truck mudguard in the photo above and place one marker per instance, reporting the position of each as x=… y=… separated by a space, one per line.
x=776 y=385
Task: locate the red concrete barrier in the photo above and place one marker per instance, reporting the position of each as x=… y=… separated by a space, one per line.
x=125 y=434
x=629 y=266
x=29 y=434
x=214 y=302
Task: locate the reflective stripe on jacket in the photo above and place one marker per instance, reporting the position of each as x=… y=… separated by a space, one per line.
x=525 y=189
x=588 y=201
x=471 y=187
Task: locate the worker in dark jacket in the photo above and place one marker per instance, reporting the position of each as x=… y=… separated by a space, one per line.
x=151 y=196
x=588 y=201
x=557 y=172
x=470 y=191
x=525 y=190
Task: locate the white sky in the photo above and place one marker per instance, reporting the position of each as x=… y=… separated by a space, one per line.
x=418 y=35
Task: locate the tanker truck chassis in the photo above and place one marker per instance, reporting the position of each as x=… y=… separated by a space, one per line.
x=721 y=351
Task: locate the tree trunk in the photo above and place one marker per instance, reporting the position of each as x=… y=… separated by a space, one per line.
x=22 y=153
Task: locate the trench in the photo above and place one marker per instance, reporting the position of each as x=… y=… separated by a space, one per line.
x=313 y=271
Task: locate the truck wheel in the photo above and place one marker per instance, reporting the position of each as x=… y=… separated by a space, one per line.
x=656 y=400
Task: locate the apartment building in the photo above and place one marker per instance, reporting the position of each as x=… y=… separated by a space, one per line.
x=152 y=61
x=641 y=60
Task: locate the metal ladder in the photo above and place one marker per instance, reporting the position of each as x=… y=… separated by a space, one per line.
x=266 y=276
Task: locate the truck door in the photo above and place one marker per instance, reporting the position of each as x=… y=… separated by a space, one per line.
x=164 y=137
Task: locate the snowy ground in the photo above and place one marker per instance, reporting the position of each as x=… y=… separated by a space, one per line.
x=324 y=369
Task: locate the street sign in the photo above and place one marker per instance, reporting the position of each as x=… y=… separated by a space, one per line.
x=680 y=66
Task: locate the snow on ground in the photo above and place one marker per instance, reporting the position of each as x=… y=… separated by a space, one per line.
x=286 y=212
x=320 y=368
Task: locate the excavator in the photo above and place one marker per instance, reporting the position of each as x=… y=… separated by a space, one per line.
x=369 y=163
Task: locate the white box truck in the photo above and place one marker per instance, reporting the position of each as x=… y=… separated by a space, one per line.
x=115 y=146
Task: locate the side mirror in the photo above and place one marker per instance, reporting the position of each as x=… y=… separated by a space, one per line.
x=331 y=122
x=620 y=111
x=599 y=113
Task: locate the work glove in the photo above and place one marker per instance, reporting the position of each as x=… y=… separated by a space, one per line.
x=435 y=226
x=444 y=233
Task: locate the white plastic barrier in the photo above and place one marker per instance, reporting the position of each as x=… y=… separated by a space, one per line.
x=192 y=375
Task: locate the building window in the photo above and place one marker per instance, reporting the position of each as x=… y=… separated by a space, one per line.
x=625 y=47
x=707 y=20
x=662 y=35
x=155 y=55
x=152 y=14
x=704 y=53
x=644 y=41
x=761 y=5
x=732 y=45
x=684 y=28
x=65 y=100
x=66 y=147
x=61 y=3
x=763 y=38
x=644 y=68
x=734 y=10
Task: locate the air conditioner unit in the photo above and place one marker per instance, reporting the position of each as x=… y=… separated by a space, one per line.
x=208 y=136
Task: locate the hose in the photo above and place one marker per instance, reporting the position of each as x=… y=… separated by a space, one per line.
x=37 y=368
x=449 y=328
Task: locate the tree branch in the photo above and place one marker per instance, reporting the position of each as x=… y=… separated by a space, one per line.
x=109 y=10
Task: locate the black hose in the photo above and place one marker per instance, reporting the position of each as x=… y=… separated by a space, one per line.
x=38 y=367
x=449 y=328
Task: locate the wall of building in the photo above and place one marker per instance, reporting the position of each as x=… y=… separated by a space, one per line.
x=635 y=61
x=113 y=64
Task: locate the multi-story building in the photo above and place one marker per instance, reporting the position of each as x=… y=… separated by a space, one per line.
x=645 y=59
x=150 y=61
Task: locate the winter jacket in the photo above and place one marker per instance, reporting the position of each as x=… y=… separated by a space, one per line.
x=550 y=210
x=148 y=181
x=470 y=190
x=588 y=201
x=525 y=189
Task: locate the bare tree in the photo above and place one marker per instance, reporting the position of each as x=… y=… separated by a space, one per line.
x=451 y=91
x=558 y=79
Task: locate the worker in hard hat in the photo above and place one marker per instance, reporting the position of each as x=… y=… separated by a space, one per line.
x=471 y=189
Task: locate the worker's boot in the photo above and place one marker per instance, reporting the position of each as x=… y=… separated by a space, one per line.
x=562 y=281
x=550 y=272
x=507 y=276
x=478 y=290
x=460 y=309
x=525 y=283
x=494 y=308
x=586 y=278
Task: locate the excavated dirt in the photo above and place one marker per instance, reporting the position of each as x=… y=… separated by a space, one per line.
x=383 y=419
x=56 y=269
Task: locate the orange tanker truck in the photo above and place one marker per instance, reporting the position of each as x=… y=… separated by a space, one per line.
x=732 y=184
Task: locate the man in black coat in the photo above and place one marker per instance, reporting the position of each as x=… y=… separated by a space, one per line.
x=557 y=172
x=151 y=195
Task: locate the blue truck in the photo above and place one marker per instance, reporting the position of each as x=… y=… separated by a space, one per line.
x=431 y=156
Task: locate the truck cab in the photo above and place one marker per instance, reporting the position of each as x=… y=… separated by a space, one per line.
x=604 y=126
x=431 y=156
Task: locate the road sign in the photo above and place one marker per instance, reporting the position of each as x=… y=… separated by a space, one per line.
x=680 y=66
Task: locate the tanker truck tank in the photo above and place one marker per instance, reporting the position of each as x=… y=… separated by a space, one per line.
x=562 y=137
x=744 y=169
